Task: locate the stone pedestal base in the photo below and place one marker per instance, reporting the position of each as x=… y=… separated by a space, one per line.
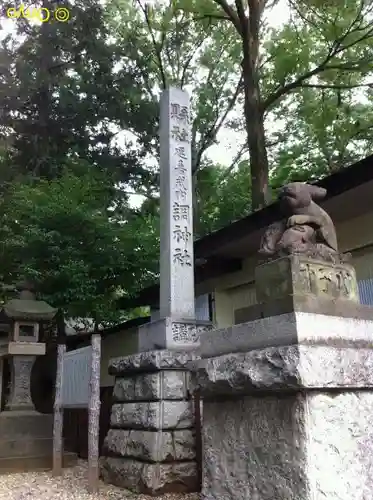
x=288 y=423
x=26 y=442
x=296 y=327
x=20 y=388
x=150 y=447
x=167 y=333
x=300 y=275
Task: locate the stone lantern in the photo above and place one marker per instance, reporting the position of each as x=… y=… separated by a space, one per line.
x=25 y=314
x=26 y=436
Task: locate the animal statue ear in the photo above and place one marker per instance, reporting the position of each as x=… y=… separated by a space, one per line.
x=317 y=193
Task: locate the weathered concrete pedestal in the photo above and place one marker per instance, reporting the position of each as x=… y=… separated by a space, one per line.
x=169 y=333
x=288 y=397
x=150 y=447
x=288 y=423
x=26 y=443
x=25 y=435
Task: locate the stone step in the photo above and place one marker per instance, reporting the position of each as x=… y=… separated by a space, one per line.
x=22 y=424
x=27 y=446
x=33 y=463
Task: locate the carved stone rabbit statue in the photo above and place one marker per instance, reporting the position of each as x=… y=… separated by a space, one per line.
x=307 y=228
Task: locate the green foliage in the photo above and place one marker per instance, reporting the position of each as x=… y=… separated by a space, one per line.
x=314 y=75
x=61 y=98
x=223 y=197
x=72 y=231
x=322 y=55
x=70 y=91
x=63 y=235
x=166 y=46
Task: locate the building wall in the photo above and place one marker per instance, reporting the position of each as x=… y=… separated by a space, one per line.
x=356 y=232
x=116 y=344
x=237 y=290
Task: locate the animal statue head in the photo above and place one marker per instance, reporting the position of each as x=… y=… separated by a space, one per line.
x=306 y=227
x=297 y=195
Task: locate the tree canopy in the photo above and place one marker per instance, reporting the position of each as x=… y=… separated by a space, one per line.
x=79 y=147
x=323 y=46
x=65 y=236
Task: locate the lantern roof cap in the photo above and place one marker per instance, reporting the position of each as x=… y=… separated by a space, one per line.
x=26 y=307
x=32 y=310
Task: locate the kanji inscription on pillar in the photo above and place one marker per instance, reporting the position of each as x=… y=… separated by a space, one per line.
x=177 y=270
x=188 y=333
x=184 y=333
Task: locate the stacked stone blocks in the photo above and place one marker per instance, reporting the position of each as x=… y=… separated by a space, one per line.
x=288 y=393
x=150 y=447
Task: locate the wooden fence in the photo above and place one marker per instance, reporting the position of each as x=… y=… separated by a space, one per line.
x=78 y=387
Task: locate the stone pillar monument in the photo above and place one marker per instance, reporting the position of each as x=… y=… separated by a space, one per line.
x=177 y=327
x=288 y=394
x=150 y=447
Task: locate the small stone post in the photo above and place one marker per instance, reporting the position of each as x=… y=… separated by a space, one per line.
x=58 y=414
x=20 y=380
x=94 y=415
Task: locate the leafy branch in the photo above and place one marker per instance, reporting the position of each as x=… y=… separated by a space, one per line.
x=337 y=87
x=337 y=47
x=157 y=47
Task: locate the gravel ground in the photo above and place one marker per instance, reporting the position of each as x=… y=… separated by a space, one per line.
x=71 y=486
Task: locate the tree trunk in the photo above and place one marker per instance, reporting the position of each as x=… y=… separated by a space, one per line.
x=254 y=120
x=256 y=141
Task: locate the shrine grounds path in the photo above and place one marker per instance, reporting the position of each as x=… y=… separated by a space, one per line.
x=71 y=486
